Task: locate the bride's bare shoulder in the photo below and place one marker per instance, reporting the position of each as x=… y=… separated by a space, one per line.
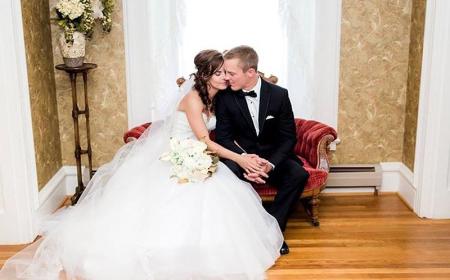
x=191 y=101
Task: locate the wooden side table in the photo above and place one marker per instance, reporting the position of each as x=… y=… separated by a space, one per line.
x=73 y=72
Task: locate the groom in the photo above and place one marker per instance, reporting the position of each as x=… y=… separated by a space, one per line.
x=255 y=117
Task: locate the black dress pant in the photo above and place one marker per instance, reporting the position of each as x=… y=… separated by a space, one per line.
x=289 y=177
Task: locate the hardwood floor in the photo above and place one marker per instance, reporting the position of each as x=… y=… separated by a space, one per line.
x=360 y=237
x=365 y=237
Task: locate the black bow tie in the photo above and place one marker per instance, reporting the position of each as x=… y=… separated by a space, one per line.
x=251 y=93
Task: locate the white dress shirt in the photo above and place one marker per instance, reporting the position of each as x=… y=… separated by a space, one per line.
x=253 y=107
x=253 y=104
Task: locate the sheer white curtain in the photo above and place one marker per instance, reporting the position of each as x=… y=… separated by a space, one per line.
x=162 y=38
x=312 y=31
x=298 y=20
x=153 y=31
x=221 y=25
x=297 y=40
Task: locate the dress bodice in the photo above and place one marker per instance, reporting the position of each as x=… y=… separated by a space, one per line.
x=182 y=129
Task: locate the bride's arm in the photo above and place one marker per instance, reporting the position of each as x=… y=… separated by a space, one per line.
x=193 y=107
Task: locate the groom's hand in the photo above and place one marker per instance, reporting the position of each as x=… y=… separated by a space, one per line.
x=250 y=163
x=264 y=164
x=257 y=177
x=267 y=167
x=261 y=161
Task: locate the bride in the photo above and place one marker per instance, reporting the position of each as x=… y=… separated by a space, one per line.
x=134 y=222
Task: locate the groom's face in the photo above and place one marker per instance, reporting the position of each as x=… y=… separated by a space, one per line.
x=236 y=77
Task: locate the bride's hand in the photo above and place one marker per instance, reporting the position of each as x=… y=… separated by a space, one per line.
x=250 y=163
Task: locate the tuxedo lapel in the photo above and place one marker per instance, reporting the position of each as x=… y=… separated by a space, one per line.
x=243 y=107
x=264 y=101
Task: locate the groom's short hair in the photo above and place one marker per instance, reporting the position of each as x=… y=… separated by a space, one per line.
x=247 y=55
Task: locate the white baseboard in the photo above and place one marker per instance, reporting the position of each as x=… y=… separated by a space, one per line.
x=391 y=176
x=61 y=185
x=407 y=190
x=396 y=177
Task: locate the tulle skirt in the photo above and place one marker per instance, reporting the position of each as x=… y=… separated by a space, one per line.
x=137 y=223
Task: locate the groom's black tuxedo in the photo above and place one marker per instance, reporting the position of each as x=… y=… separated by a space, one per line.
x=275 y=141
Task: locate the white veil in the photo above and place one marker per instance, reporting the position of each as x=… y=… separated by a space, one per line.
x=135 y=222
x=156 y=136
x=40 y=260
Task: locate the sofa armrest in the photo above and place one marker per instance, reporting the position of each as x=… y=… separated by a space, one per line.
x=135 y=132
x=324 y=152
x=313 y=140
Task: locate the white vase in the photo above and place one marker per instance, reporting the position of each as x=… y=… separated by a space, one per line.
x=73 y=53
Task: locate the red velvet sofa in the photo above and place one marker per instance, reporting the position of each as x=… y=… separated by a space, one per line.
x=313 y=140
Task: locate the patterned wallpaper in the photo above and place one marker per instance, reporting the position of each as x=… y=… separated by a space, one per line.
x=374 y=85
x=106 y=93
x=373 y=80
x=413 y=86
x=41 y=80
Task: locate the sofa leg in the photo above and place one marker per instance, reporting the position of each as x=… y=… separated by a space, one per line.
x=311 y=206
x=315 y=210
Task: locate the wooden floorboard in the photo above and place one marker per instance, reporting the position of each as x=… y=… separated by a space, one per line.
x=365 y=237
x=360 y=237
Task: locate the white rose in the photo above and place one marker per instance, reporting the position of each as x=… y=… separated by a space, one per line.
x=190 y=162
x=204 y=162
x=97 y=8
x=71 y=8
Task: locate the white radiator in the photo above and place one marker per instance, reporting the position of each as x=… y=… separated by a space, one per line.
x=355 y=176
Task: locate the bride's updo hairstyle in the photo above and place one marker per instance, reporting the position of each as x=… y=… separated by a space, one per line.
x=206 y=62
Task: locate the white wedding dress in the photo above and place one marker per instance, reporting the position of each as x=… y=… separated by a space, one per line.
x=134 y=222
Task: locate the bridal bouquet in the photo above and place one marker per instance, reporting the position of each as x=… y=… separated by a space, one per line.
x=190 y=159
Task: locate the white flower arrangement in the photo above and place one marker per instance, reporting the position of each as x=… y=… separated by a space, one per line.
x=80 y=15
x=190 y=159
x=70 y=8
